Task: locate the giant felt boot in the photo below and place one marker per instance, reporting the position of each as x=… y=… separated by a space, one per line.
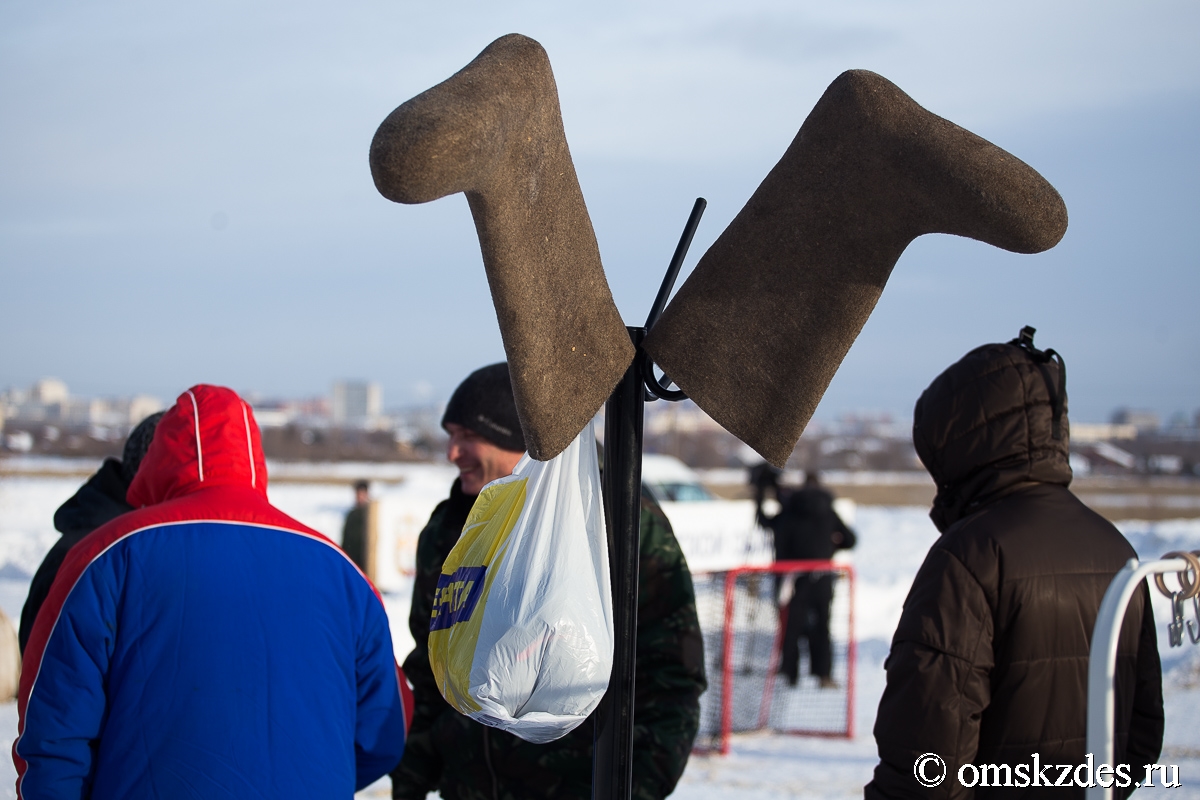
x=494 y=132
x=760 y=327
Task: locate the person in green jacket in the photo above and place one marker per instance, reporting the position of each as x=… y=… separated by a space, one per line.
x=463 y=759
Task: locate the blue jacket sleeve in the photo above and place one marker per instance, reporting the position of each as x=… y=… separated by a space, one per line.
x=381 y=722
x=63 y=708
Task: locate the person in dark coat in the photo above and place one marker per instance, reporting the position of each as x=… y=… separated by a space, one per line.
x=354 y=529
x=462 y=759
x=989 y=663
x=99 y=500
x=808 y=528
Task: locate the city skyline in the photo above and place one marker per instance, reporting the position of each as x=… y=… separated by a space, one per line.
x=369 y=409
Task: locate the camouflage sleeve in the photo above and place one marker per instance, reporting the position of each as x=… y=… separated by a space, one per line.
x=670 y=661
x=420 y=769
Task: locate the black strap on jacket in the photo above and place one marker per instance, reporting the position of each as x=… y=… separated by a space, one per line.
x=1058 y=396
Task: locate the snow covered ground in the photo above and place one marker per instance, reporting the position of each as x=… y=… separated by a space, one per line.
x=892 y=544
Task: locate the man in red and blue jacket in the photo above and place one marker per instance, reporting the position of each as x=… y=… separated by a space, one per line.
x=207 y=645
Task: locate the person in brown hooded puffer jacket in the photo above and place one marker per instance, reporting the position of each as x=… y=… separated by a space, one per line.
x=989 y=663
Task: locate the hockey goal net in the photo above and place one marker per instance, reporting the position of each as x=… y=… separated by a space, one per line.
x=743 y=626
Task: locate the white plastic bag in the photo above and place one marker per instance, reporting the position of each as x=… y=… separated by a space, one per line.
x=521 y=636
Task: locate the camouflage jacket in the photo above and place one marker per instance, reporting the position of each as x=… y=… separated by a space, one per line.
x=465 y=760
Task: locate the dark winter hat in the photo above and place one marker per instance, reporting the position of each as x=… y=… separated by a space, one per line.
x=136 y=446
x=484 y=404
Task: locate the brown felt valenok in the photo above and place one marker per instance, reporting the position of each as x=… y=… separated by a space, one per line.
x=758 y=330
x=494 y=132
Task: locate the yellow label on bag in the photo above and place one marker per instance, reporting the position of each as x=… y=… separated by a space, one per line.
x=464 y=585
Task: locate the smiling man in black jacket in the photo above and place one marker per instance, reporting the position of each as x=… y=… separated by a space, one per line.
x=989 y=662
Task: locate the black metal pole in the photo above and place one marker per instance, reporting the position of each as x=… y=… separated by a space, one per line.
x=612 y=761
x=685 y=241
x=612 y=766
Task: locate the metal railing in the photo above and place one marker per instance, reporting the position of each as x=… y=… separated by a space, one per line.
x=1102 y=661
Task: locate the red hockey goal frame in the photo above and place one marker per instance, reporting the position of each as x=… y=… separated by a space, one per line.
x=727 y=667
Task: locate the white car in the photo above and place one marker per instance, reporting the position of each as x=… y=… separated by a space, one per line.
x=715 y=534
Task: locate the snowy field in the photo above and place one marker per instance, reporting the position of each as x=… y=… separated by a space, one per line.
x=892 y=544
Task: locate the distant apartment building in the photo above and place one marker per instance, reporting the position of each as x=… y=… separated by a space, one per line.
x=1143 y=421
x=356 y=404
x=49 y=391
x=684 y=417
x=1089 y=432
x=47 y=418
x=49 y=402
x=312 y=412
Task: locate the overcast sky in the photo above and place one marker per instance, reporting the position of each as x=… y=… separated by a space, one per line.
x=185 y=195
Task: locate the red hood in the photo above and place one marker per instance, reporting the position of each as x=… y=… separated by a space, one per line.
x=208 y=438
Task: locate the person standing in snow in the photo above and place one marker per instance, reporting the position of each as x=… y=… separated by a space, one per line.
x=460 y=758
x=99 y=500
x=354 y=529
x=989 y=662
x=206 y=645
x=808 y=528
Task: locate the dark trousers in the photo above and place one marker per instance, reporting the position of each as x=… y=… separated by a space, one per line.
x=808 y=617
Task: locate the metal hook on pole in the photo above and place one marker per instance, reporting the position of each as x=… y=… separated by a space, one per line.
x=1175 y=629
x=1193 y=628
x=656 y=389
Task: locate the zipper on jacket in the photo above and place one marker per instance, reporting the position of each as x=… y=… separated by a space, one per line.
x=487 y=759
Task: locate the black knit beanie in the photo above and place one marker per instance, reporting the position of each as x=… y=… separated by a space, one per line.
x=136 y=446
x=484 y=403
